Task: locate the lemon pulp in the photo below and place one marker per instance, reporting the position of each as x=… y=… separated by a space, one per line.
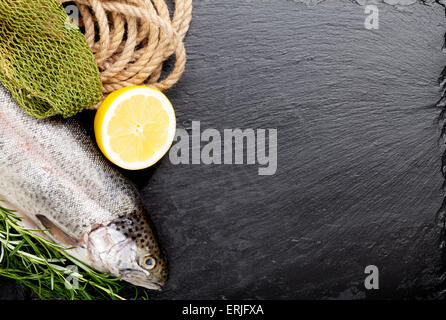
x=135 y=127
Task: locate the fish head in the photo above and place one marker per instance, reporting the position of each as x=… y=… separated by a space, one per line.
x=129 y=249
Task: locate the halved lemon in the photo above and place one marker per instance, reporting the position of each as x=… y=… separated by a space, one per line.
x=135 y=127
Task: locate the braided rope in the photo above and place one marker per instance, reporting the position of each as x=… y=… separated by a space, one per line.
x=131 y=39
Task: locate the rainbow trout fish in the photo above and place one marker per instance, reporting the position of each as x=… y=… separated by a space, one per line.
x=52 y=173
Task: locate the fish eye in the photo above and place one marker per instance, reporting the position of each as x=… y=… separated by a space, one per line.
x=148 y=262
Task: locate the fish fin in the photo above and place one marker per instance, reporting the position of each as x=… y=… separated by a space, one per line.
x=57 y=233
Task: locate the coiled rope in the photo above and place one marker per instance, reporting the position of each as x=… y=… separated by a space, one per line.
x=131 y=39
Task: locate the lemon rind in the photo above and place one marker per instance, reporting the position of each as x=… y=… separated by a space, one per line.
x=166 y=105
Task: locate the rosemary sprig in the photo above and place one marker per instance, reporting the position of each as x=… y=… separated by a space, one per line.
x=47 y=268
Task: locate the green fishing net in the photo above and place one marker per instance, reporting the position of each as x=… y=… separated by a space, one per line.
x=45 y=60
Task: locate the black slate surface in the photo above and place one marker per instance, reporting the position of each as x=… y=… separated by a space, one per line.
x=358 y=179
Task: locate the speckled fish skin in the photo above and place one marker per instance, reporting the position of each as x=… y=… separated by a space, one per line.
x=52 y=168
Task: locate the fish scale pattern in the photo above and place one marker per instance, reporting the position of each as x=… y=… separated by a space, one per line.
x=45 y=60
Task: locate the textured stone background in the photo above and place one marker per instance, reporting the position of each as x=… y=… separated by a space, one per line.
x=358 y=178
